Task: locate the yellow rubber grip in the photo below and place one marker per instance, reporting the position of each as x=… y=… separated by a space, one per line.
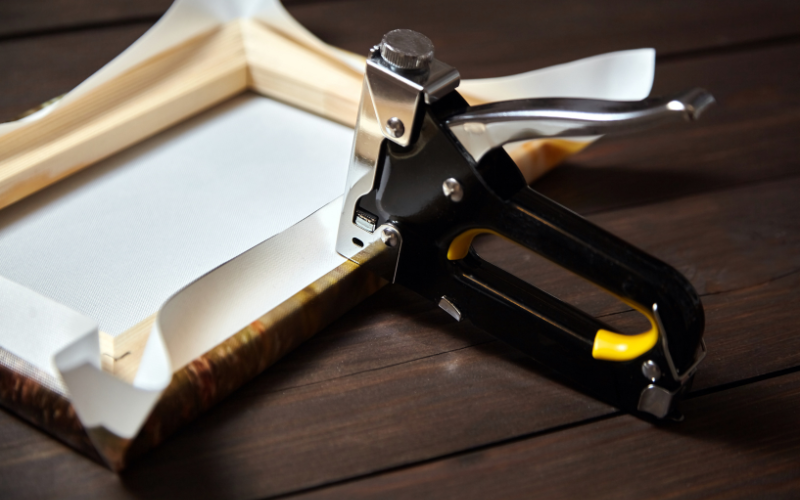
x=459 y=247
x=612 y=346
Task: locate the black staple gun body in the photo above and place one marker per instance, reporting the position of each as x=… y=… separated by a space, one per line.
x=428 y=174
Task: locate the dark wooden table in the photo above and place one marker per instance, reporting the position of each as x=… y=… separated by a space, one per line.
x=395 y=399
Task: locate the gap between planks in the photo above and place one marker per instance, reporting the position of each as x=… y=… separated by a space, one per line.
x=775 y=390
x=60 y=30
x=732 y=48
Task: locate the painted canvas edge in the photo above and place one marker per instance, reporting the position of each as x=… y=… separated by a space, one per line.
x=202 y=383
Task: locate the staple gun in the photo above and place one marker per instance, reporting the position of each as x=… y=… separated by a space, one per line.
x=428 y=173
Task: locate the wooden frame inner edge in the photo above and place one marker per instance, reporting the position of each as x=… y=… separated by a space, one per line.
x=167 y=89
x=161 y=92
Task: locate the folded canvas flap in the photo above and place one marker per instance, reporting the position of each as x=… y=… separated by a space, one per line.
x=626 y=75
x=222 y=301
x=197 y=319
x=102 y=400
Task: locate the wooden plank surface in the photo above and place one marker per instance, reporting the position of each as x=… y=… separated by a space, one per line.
x=743 y=139
x=568 y=30
x=396 y=381
x=397 y=385
x=485 y=39
x=707 y=456
x=37 y=69
x=29 y=19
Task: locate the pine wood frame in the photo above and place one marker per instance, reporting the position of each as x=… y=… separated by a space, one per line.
x=166 y=89
x=241 y=55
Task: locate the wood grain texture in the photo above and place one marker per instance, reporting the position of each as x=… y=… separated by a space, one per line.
x=66 y=59
x=200 y=384
x=35 y=70
x=744 y=138
x=144 y=100
x=28 y=19
x=19 y=19
x=721 y=241
x=745 y=278
x=165 y=89
x=281 y=69
x=740 y=347
x=739 y=443
x=39 y=398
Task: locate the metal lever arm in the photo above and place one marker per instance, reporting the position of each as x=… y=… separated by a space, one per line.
x=482 y=128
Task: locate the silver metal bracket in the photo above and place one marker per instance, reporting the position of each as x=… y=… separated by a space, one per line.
x=657 y=400
x=390 y=99
x=395 y=93
x=665 y=346
x=382 y=254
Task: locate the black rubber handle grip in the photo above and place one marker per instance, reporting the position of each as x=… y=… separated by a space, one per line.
x=557 y=334
x=576 y=244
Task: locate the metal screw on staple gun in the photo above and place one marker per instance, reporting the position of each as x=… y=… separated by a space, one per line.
x=650 y=370
x=395 y=126
x=390 y=237
x=452 y=189
x=407 y=49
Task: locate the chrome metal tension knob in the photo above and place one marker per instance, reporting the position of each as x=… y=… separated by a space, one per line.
x=407 y=49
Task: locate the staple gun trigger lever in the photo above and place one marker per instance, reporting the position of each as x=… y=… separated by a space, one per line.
x=428 y=174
